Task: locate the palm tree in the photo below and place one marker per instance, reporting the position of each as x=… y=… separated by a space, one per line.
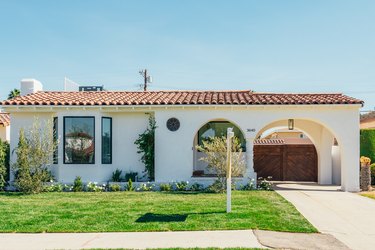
x=14 y=93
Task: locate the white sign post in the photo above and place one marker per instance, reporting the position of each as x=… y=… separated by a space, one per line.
x=230 y=135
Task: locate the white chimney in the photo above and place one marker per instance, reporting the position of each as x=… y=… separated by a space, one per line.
x=29 y=86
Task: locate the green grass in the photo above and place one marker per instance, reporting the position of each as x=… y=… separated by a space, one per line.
x=147 y=211
x=370 y=194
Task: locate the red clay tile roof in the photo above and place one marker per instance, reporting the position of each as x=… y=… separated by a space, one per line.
x=4 y=119
x=177 y=98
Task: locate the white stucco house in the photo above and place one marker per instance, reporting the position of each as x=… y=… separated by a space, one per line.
x=97 y=129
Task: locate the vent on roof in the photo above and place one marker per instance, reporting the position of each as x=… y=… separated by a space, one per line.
x=91 y=88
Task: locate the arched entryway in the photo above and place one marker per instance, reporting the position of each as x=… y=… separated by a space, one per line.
x=215 y=128
x=317 y=161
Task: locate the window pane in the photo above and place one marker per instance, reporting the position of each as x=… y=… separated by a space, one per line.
x=106 y=140
x=219 y=129
x=55 y=138
x=79 y=140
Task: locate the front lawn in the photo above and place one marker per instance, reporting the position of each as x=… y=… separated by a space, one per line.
x=147 y=211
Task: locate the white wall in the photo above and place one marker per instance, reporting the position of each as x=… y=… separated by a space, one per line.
x=336 y=165
x=174 y=150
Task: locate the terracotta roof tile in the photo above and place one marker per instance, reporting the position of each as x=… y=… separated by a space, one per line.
x=91 y=98
x=4 y=119
x=283 y=141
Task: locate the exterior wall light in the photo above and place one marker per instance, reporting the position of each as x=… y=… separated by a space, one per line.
x=290 y=124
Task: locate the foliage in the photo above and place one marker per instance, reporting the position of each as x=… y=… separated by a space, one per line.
x=216 y=187
x=119 y=212
x=67 y=188
x=372 y=168
x=146 y=147
x=4 y=163
x=114 y=187
x=181 y=186
x=251 y=185
x=94 y=187
x=146 y=187
x=14 y=93
x=131 y=175
x=78 y=185
x=166 y=187
x=130 y=186
x=116 y=175
x=367 y=140
x=215 y=151
x=34 y=155
x=196 y=187
x=365 y=160
x=52 y=187
x=265 y=183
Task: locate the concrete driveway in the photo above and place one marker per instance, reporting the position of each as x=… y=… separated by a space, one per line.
x=347 y=216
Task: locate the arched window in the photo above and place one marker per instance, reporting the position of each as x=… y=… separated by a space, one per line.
x=219 y=129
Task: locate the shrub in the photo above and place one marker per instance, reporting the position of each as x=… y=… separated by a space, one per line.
x=181 y=186
x=53 y=187
x=4 y=163
x=146 y=187
x=34 y=154
x=130 y=186
x=365 y=160
x=265 y=183
x=367 y=140
x=166 y=187
x=94 y=187
x=67 y=188
x=116 y=175
x=78 y=185
x=131 y=176
x=216 y=187
x=249 y=186
x=196 y=187
x=372 y=167
x=114 y=187
x=146 y=147
x=215 y=151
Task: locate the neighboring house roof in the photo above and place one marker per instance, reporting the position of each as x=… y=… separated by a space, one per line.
x=89 y=98
x=299 y=141
x=4 y=119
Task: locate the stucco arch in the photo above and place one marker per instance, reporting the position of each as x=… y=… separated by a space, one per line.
x=322 y=138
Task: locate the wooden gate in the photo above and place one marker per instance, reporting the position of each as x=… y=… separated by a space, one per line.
x=287 y=162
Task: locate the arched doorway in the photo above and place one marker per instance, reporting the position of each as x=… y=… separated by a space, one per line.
x=316 y=161
x=216 y=128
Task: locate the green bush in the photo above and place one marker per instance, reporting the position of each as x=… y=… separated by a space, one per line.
x=129 y=186
x=372 y=167
x=181 y=186
x=196 y=187
x=78 y=185
x=114 y=187
x=116 y=176
x=4 y=163
x=131 y=176
x=165 y=187
x=367 y=139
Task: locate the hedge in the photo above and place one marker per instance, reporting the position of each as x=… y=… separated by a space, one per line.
x=367 y=140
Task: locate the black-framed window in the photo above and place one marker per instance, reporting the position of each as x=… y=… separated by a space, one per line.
x=79 y=140
x=55 y=140
x=106 y=140
x=219 y=129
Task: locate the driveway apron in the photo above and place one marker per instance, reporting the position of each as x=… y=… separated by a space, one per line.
x=347 y=216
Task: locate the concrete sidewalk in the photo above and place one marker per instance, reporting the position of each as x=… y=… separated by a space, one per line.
x=222 y=239
x=349 y=217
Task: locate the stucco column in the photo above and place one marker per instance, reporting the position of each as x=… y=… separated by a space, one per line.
x=350 y=162
x=249 y=159
x=325 y=159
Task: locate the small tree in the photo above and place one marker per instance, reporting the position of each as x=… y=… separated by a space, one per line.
x=34 y=155
x=215 y=150
x=146 y=146
x=4 y=163
x=13 y=93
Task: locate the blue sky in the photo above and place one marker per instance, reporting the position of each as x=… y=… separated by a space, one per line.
x=264 y=45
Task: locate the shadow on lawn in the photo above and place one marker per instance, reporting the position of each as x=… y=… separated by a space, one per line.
x=151 y=217
x=12 y=194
